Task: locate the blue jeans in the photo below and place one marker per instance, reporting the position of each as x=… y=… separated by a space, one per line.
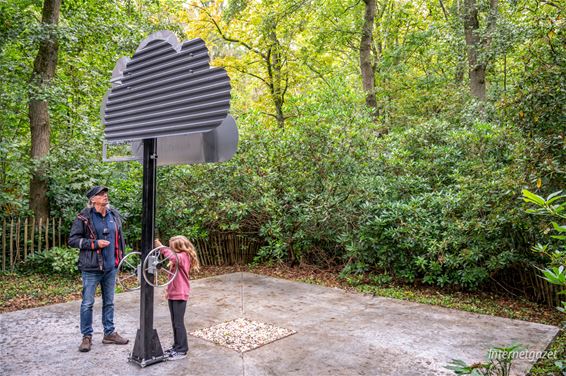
x=107 y=281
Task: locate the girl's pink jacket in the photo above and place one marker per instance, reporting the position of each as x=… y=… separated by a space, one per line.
x=180 y=288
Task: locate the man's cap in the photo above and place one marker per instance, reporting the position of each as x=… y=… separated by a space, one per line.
x=96 y=190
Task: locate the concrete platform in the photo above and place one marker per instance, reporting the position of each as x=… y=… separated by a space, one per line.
x=338 y=333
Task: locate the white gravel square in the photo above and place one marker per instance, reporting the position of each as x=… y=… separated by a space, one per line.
x=242 y=334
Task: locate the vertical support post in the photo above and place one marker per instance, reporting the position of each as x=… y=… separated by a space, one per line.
x=3 y=245
x=26 y=239
x=147 y=348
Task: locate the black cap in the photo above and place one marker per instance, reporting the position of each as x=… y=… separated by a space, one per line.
x=96 y=190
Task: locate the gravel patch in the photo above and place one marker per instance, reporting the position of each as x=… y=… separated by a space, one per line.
x=242 y=334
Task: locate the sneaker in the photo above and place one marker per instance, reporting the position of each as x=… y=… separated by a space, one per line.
x=85 y=344
x=114 y=339
x=168 y=351
x=174 y=355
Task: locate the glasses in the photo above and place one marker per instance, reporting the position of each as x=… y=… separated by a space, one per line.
x=105 y=231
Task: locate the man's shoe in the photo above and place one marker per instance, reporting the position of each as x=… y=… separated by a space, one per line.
x=114 y=339
x=85 y=344
x=174 y=355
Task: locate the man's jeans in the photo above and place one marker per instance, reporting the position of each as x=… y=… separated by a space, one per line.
x=107 y=281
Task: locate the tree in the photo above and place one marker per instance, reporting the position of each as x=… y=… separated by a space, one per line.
x=477 y=44
x=265 y=36
x=366 y=66
x=43 y=72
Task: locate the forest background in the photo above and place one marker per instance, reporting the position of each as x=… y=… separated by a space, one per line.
x=390 y=137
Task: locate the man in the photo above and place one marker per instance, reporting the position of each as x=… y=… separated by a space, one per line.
x=97 y=232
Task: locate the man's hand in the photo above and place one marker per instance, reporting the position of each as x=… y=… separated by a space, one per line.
x=103 y=243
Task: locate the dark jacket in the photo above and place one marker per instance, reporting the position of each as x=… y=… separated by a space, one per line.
x=83 y=237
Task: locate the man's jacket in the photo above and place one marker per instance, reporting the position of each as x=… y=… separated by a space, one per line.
x=83 y=237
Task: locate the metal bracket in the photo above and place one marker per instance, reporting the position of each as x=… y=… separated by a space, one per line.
x=135 y=157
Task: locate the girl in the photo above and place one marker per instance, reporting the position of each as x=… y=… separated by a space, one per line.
x=178 y=290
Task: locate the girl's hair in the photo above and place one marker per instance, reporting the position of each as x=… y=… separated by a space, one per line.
x=180 y=243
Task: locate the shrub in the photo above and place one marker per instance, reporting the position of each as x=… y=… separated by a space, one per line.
x=442 y=206
x=554 y=206
x=298 y=187
x=62 y=261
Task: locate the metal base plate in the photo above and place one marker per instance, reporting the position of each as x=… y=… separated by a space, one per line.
x=143 y=358
x=146 y=362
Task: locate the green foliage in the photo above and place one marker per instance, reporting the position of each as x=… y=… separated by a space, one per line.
x=293 y=186
x=92 y=36
x=554 y=206
x=441 y=207
x=433 y=203
x=57 y=260
x=433 y=200
x=37 y=263
x=64 y=260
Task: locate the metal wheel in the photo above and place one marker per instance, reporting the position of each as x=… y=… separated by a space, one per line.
x=129 y=271
x=157 y=267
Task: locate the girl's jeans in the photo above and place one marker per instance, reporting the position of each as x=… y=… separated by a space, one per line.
x=107 y=281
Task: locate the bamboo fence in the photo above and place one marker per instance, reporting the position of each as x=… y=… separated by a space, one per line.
x=222 y=249
x=21 y=237
x=526 y=280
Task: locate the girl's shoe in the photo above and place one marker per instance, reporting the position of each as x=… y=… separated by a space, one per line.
x=174 y=355
x=167 y=352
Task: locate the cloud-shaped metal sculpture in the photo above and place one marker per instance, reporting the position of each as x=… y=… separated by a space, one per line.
x=165 y=89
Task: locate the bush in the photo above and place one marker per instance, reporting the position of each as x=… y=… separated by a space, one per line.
x=443 y=205
x=61 y=261
x=297 y=186
x=435 y=203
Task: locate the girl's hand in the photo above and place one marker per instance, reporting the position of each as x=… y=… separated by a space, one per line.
x=157 y=243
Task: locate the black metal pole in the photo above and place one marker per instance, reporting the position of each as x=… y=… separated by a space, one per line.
x=147 y=348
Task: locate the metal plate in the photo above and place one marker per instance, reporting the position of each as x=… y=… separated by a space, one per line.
x=218 y=145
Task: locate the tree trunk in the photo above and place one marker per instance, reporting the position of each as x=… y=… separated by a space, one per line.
x=476 y=70
x=43 y=72
x=366 y=67
x=278 y=86
x=477 y=46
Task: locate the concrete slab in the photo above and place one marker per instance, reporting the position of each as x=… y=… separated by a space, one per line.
x=338 y=333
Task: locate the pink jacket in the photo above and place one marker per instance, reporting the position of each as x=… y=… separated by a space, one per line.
x=180 y=288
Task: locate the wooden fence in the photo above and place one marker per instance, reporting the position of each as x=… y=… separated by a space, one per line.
x=222 y=249
x=526 y=280
x=21 y=237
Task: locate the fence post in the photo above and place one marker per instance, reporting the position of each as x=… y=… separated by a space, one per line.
x=18 y=228
x=26 y=238
x=39 y=235
x=46 y=234
x=11 y=244
x=4 y=245
x=32 y=234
